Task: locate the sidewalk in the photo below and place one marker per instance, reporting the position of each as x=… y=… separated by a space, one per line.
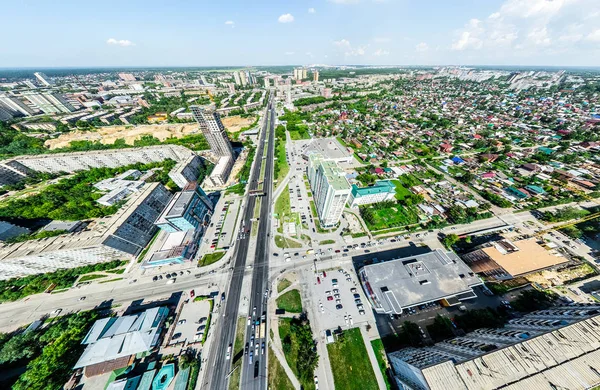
x=372 y=358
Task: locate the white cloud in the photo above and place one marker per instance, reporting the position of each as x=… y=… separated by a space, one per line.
x=286 y=18
x=230 y=23
x=422 y=47
x=289 y=53
x=342 y=43
x=312 y=11
x=594 y=36
x=120 y=42
x=349 y=50
x=539 y=37
x=309 y=54
x=381 y=52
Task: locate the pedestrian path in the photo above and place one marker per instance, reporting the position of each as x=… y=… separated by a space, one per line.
x=373 y=358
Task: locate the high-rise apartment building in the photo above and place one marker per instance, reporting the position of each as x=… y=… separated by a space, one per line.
x=266 y=81
x=213 y=130
x=316 y=76
x=329 y=187
x=304 y=73
x=43 y=79
x=236 y=78
x=243 y=78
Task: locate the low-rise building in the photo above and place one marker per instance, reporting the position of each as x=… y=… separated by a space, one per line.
x=221 y=171
x=558 y=348
x=382 y=191
x=8 y=231
x=392 y=286
x=188 y=210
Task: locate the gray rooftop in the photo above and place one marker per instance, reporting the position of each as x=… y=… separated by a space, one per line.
x=397 y=284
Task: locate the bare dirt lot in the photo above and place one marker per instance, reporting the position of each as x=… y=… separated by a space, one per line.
x=233 y=124
x=109 y=134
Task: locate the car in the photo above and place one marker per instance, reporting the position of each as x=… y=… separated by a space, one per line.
x=337 y=296
x=329 y=292
x=171 y=281
x=339 y=307
x=254 y=311
x=336 y=291
x=357 y=301
x=324 y=274
x=181 y=322
x=250 y=357
x=192 y=294
x=160 y=277
x=201 y=328
x=329 y=298
x=334 y=281
x=228 y=354
x=318 y=280
x=353 y=290
x=338 y=301
x=275 y=254
x=168 y=276
x=154 y=279
x=57 y=311
x=356 y=296
x=176 y=336
x=252 y=339
x=82 y=299
x=361 y=312
x=249 y=320
x=246 y=349
x=360 y=307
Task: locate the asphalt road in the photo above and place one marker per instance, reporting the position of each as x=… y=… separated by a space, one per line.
x=217 y=364
x=254 y=372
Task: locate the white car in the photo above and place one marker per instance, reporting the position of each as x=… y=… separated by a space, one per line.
x=181 y=322
x=228 y=355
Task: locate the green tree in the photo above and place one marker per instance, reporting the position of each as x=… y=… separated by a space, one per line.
x=21 y=346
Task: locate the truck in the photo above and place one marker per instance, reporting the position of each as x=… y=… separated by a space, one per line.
x=262 y=330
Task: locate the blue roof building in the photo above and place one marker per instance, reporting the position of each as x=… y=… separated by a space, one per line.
x=188 y=210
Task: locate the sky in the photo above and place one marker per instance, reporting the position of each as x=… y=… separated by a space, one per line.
x=69 y=33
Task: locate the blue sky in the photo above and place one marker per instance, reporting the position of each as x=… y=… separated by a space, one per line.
x=281 y=32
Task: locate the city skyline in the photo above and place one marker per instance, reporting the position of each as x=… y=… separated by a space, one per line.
x=335 y=32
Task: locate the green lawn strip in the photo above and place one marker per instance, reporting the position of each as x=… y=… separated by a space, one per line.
x=283 y=284
x=350 y=363
x=290 y=302
x=377 y=346
x=293 y=349
x=238 y=349
x=210 y=258
x=326 y=242
x=283 y=242
x=116 y=271
x=111 y=280
x=278 y=379
x=211 y=302
x=86 y=278
x=283 y=207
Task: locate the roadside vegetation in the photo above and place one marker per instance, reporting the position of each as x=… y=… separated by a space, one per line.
x=17 y=288
x=280 y=166
x=299 y=349
x=283 y=284
x=291 y=302
x=210 y=258
x=284 y=242
x=237 y=354
x=48 y=354
x=350 y=364
x=278 y=379
x=382 y=361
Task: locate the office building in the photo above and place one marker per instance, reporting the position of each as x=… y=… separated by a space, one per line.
x=213 y=130
x=316 y=76
x=188 y=210
x=558 y=348
x=505 y=259
x=329 y=187
x=381 y=191
x=186 y=171
x=43 y=79
x=437 y=276
x=118 y=237
x=8 y=231
x=114 y=342
x=14 y=104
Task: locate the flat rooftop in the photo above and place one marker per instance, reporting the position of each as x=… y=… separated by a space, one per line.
x=529 y=257
x=330 y=148
x=397 y=284
x=336 y=177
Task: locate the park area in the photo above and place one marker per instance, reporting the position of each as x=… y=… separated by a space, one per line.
x=350 y=364
x=382 y=216
x=290 y=302
x=401 y=191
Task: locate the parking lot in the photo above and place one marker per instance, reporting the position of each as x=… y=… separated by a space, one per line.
x=191 y=323
x=340 y=300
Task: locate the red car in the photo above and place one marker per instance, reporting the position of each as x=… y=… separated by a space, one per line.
x=324 y=274
x=330 y=298
x=318 y=280
x=192 y=294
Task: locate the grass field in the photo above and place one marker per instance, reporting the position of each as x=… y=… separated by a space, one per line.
x=290 y=302
x=210 y=258
x=326 y=242
x=278 y=379
x=282 y=208
x=401 y=191
x=283 y=242
x=392 y=217
x=350 y=363
x=283 y=284
x=238 y=353
x=381 y=360
x=291 y=356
